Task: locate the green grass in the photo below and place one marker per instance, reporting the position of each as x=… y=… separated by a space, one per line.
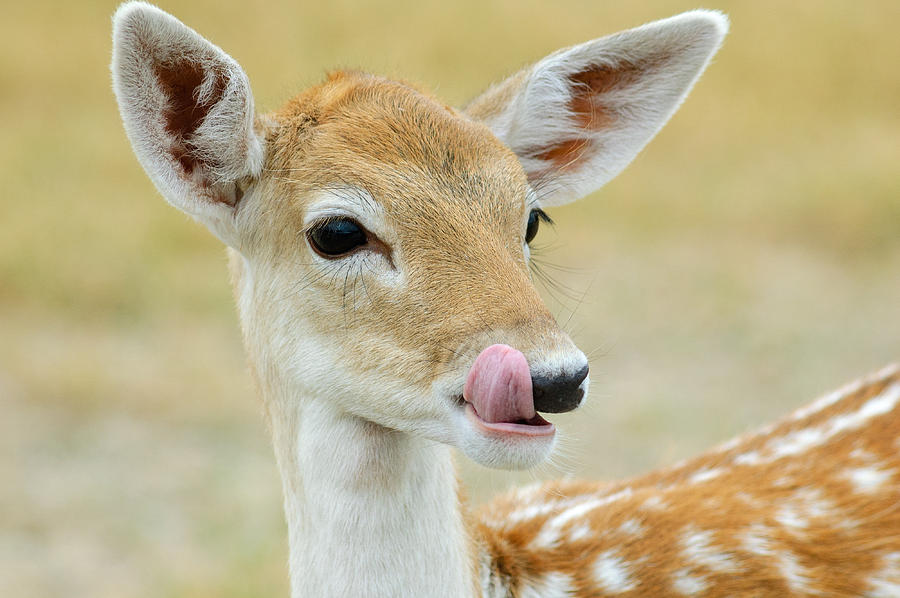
x=748 y=260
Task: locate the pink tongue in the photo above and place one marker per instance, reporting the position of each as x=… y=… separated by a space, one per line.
x=499 y=386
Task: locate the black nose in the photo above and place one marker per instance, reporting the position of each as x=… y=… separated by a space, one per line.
x=557 y=394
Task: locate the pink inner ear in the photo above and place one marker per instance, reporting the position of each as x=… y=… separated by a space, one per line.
x=181 y=82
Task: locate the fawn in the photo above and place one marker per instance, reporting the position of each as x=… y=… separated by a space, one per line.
x=379 y=250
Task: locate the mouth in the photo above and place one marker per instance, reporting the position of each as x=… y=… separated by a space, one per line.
x=499 y=398
x=534 y=427
x=502 y=398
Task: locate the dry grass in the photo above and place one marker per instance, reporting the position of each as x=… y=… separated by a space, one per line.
x=747 y=261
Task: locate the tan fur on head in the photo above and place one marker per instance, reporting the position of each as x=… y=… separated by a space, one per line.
x=444 y=195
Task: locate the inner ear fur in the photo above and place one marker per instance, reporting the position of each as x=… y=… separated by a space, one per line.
x=191 y=93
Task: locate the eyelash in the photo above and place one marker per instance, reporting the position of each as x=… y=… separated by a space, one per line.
x=535 y=217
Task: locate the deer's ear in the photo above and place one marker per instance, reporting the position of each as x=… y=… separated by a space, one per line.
x=579 y=116
x=188 y=112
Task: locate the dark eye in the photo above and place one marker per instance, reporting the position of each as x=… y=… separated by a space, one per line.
x=535 y=217
x=336 y=237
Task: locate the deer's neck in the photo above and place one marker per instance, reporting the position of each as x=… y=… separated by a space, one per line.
x=370 y=511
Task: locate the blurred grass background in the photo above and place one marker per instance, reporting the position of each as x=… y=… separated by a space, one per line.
x=746 y=262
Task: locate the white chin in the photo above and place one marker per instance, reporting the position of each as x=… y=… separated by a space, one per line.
x=502 y=446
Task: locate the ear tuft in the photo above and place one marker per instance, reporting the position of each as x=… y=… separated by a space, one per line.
x=188 y=112
x=580 y=115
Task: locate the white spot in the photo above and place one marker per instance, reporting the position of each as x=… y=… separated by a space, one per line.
x=800 y=441
x=532 y=511
x=731 y=444
x=788 y=517
x=835 y=396
x=579 y=532
x=494 y=522
x=654 y=503
x=550 y=532
x=687 y=584
x=813 y=503
x=632 y=527
x=712 y=503
x=796 y=442
x=805 y=504
x=885 y=583
x=528 y=492
x=705 y=475
x=794 y=573
x=879 y=405
x=848 y=524
x=679 y=465
x=826 y=401
x=867 y=479
x=697 y=547
x=611 y=573
x=747 y=499
x=545 y=508
x=783 y=482
x=861 y=454
x=756 y=540
x=551 y=585
x=748 y=458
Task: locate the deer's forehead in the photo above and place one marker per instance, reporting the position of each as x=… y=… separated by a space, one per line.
x=479 y=196
x=412 y=155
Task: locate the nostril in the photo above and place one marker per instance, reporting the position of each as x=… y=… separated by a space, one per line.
x=557 y=394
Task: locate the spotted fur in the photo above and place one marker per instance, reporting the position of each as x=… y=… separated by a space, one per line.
x=809 y=506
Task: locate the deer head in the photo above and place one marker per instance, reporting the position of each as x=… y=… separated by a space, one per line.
x=379 y=238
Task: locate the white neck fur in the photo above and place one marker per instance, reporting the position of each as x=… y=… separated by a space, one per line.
x=370 y=511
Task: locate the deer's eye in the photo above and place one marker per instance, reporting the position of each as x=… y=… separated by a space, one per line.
x=336 y=237
x=535 y=217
